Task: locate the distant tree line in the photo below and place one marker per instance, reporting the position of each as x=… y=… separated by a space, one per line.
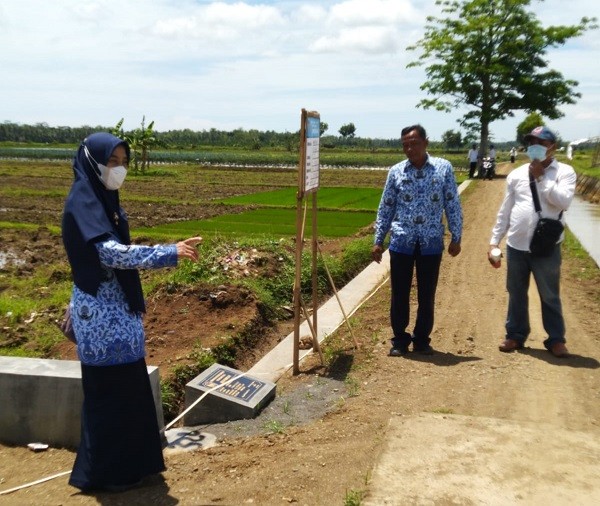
x=146 y=137
x=42 y=133
x=45 y=134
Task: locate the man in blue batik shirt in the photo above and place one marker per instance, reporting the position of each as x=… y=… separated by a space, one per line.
x=417 y=193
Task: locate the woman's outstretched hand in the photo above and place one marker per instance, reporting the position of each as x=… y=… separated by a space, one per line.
x=187 y=249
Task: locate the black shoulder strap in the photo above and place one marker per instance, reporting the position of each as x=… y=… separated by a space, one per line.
x=536 y=198
x=534 y=194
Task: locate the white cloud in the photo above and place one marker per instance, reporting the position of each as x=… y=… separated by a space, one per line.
x=373 y=27
x=89 y=11
x=254 y=64
x=308 y=13
x=364 y=39
x=373 y=12
x=220 y=21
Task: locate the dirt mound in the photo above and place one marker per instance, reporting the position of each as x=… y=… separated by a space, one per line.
x=198 y=318
x=182 y=322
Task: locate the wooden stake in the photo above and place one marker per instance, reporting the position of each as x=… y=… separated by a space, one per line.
x=314 y=273
x=316 y=345
x=356 y=343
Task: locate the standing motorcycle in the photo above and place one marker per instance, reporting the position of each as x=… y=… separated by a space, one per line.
x=487 y=169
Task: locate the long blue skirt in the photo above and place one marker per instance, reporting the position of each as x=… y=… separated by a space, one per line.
x=120 y=440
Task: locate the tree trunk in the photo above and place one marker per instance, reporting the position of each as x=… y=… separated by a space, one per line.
x=485 y=133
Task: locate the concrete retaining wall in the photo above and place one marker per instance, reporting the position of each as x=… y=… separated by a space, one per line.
x=40 y=401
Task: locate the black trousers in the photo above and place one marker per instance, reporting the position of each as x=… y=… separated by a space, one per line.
x=472 y=168
x=402 y=267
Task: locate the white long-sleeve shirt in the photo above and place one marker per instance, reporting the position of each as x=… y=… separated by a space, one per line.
x=517 y=217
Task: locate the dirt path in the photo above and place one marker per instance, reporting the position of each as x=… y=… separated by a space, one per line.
x=532 y=429
x=330 y=459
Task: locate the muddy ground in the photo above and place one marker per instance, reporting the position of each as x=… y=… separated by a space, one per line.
x=320 y=440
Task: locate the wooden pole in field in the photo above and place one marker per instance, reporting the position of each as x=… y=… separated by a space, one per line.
x=299 y=245
x=308 y=182
x=314 y=273
x=313 y=331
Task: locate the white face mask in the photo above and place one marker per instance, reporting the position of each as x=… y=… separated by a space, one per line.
x=537 y=152
x=112 y=177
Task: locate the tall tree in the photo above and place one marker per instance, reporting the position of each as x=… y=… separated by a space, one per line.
x=347 y=131
x=489 y=56
x=144 y=139
x=452 y=139
x=323 y=127
x=140 y=141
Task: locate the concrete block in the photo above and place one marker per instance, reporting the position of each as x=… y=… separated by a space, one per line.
x=241 y=398
x=40 y=401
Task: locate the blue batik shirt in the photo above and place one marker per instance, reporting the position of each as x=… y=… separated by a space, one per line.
x=107 y=332
x=412 y=205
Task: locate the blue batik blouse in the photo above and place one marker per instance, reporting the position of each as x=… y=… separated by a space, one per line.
x=107 y=332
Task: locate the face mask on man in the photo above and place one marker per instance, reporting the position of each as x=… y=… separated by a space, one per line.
x=537 y=152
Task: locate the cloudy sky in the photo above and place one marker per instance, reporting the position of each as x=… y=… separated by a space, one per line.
x=204 y=64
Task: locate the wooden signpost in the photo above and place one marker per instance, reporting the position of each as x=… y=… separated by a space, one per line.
x=308 y=184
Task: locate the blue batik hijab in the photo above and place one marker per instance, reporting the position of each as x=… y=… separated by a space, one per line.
x=92 y=213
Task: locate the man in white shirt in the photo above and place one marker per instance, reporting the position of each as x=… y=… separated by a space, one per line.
x=517 y=219
x=472 y=156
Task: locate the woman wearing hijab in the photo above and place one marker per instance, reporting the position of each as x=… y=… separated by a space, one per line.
x=120 y=440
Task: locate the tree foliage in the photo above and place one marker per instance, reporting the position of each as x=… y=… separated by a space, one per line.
x=140 y=141
x=527 y=125
x=489 y=56
x=347 y=131
x=185 y=139
x=452 y=139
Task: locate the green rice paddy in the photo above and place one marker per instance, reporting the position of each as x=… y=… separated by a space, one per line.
x=342 y=212
x=366 y=199
x=264 y=222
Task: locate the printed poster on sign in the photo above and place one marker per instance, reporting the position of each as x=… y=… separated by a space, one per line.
x=311 y=163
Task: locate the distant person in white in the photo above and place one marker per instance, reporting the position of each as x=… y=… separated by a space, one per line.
x=472 y=156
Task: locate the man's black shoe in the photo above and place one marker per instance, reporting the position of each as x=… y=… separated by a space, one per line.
x=425 y=350
x=398 y=352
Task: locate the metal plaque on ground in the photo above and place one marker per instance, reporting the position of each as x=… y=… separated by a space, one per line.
x=228 y=394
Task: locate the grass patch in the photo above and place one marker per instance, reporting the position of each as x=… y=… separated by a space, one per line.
x=274 y=427
x=173 y=387
x=267 y=222
x=352 y=386
x=354 y=497
x=586 y=268
x=366 y=199
x=582 y=163
x=443 y=411
x=11 y=225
